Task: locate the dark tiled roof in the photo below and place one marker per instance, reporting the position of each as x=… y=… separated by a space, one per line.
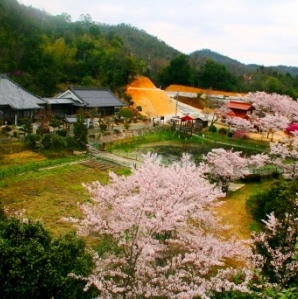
x=96 y=97
x=17 y=97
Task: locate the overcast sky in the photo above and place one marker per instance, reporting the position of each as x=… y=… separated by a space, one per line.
x=264 y=32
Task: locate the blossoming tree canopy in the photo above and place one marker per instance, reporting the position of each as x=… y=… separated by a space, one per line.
x=242 y=124
x=164 y=237
x=272 y=123
x=226 y=164
x=285 y=155
x=276 y=248
x=274 y=103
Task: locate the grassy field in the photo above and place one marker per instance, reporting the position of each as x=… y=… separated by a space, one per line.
x=52 y=193
x=49 y=193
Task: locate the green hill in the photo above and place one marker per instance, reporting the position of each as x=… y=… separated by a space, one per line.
x=45 y=53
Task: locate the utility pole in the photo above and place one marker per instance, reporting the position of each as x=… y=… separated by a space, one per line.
x=177 y=96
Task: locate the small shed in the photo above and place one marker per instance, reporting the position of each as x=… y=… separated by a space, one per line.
x=200 y=123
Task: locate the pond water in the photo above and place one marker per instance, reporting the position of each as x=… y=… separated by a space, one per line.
x=173 y=152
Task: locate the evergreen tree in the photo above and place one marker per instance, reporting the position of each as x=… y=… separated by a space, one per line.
x=80 y=131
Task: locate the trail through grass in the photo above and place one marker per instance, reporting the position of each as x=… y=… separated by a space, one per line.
x=233 y=211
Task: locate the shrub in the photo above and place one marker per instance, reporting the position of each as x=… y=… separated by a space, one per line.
x=126 y=113
x=278 y=198
x=56 y=123
x=239 y=134
x=103 y=127
x=212 y=129
x=27 y=127
x=222 y=131
x=58 y=142
x=127 y=126
x=62 y=132
x=47 y=141
x=6 y=129
x=255 y=177
x=22 y=121
x=31 y=140
x=43 y=129
x=71 y=143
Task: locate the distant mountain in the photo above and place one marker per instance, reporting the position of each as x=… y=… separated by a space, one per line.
x=235 y=66
x=141 y=44
x=293 y=70
x=156 y=53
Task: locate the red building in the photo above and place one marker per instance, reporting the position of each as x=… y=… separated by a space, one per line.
x=240 y=109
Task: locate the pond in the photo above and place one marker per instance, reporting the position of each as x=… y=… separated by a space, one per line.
x=171 y=152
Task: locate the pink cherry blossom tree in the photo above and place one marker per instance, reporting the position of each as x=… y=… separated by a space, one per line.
x=224 y=166
x=273 y=112
x=240 y=124
x=274 y=103
x=275 y=249
x=284 y=155
x=272 y=123
x=221 y=111
x=162 y=238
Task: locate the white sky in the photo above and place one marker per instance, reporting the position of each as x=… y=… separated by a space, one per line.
x=263 y=32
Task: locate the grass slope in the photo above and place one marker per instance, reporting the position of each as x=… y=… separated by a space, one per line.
x=50 y=194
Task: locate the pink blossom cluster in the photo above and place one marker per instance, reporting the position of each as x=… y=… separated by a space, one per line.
x=239 y=134
x=240 y=124
x=272 y=103
x=224 y=166
x=278 y=242
x=285 y=155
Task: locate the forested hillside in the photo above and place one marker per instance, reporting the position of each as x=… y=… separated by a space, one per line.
x=46 y=53
x=155 y=52
x=41 y=51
